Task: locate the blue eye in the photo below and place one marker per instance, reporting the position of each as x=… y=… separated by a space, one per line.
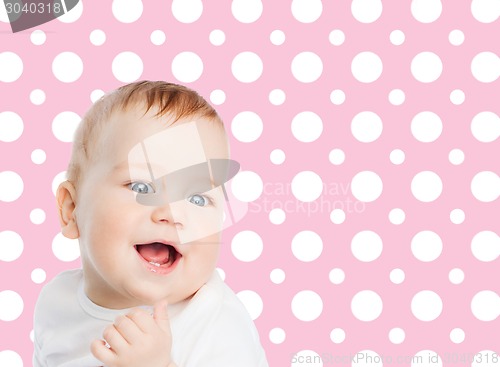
x=141 y=187
x=199 y=200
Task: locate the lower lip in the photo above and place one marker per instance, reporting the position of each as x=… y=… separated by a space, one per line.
x=162 y=269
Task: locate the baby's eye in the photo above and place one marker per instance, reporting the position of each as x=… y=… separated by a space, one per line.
x=199 y=200
x=141 y=187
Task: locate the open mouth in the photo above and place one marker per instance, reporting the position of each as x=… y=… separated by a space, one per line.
x=160 y=256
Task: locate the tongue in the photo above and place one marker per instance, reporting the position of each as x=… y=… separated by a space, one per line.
x=157 y=253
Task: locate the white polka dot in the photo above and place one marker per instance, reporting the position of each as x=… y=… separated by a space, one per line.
x=217 y=97
x=486 y=358
x=11 y=67
x=397 y=276
x=307 y=305
x=397 y=335
x=38 y=37
x=65 y=249
x=37 y=97
x=38 y=156
x=277 y=216
x=277 y=335
x=73 y=14
x=457 y=97
x=12 y=305
x=252 y=301
x=11 y=186
x=397 y=216
x=11 y=246
x=456 y=276
x=246 y=11
x=456 y=37
x=337 y=97
x=217 y=37
x=97 y=37
x=457 y=335
x=221 y=272
x=9 y=357
x=366 y=246
x=426 y=186
x=485 y=246
x=4 y=17
x=37 y=216
x=485 y=126
x=247 y=126
x=308 y=358
x=187 y=11
x=127 y=11
x=38 y=276
x=397 y=37
x=397 y=97
x=307 y=186
x=336 y=37
x=337 y=216
x=307 y=11
x=277 y=37
x=366 y=126
x=247 y=67
x=64 y=126
x=96 y=94
x=247 y=186
x=426 y=11
x=337 y=335
x=366 y=11
x=127 y=67
x=307 y=126
x=307 y=246
x=485 y=11
x=336 y=156
x=426 y=67
x=485 y=186
x=366 y=67
x=247 y=246
x=187 y=67
x=277 y=97
x=11 y=126
x=426 y=246
x=457 y=216
x=456 y=156
x=307 y=67
x=67 y=67
x=426 y=358
x=485 y=67
x=277 y=276
x=426 y=126
x=366 y=305
x=397 y=156
x=336 y=276
x=426 y=305
x=485 y=305
x=366 y=186
x=277 y=156
x=58 y=179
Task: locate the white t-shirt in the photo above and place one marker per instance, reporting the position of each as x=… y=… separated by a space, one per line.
x=213 y=329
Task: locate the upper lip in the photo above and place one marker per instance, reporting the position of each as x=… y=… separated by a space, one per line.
x=165 y=242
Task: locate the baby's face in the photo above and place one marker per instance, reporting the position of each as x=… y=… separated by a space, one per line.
x=150 y=210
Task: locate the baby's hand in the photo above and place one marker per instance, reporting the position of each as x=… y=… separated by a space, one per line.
x=137 y=339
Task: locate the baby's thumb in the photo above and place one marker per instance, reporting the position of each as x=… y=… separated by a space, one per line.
x=160 y=315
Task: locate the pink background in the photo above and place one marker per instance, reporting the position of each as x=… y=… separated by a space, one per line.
x=418 y=193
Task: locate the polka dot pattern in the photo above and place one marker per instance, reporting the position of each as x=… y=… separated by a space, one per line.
x=368 y=135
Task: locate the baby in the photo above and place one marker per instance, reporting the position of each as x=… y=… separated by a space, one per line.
x=145 y=198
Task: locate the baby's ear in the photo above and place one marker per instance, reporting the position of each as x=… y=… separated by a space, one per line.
x=66 y=196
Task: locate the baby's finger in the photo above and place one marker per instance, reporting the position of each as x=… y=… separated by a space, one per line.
x=114 y=339
x=143 y=320
x=102 y=352
x=128 y=329
x=161 y=315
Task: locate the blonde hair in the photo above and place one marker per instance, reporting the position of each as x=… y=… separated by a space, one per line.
x=170 y=99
